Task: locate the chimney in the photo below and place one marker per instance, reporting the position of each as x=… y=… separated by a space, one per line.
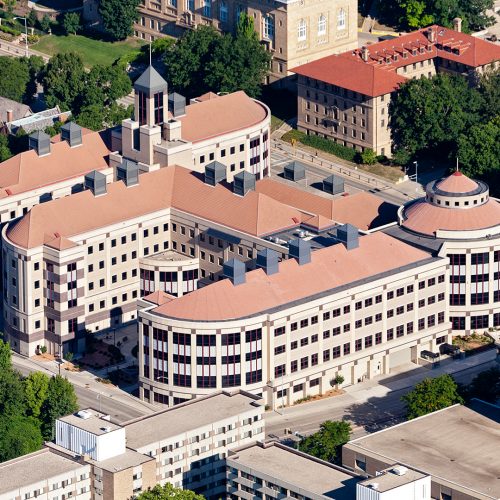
x=176 y=104
x=96 y=182
x=10 y=115
x=243 y=182
x=457 y=24
x=215 y=172
x=267 y=259
x=348 y=235
x=300 y=250
x=365 y=53
x=40 y=142
x=128 y=172
x=431 y=35
x=235 y=270
x=172 y=130
x=72 y=133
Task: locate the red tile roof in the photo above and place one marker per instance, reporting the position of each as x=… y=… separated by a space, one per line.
x=329 y=268
x=255 y=213
x=457 y=183
x=379 y=74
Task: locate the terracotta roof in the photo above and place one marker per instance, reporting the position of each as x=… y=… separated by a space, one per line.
x=363 y=210
x=177 y=187
x=425 y=218
x=329 y=268
x=377 y=75
x=207 y=97
x=457 y=183
x=27 y=171
x=351 y=74
x=234 y=112
x=60 y=243
x=159 y=298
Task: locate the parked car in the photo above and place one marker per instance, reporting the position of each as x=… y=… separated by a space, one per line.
x=431 y=356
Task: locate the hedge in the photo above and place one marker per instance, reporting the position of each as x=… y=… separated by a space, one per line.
x=323 y=144
x=10 y=31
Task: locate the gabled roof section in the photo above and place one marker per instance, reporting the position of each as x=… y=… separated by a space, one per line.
x=457 y=183
x=18 y=109
x=28 y=171
x=60 y=243
x=150 y=82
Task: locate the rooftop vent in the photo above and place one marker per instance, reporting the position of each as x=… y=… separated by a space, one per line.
x=235 y=270
x=300 y=250
x=267 y=259
x=40 y=142
x=72 y=133
x=294 y=171
x=84 y=414
x=365 y=54
x=96 y=182
x=176 y=104
x=128 y=172
x=243 y=182
x=333 y=184
x=215 y=172
x=106 y=429
x=349 y=236
x=373 y=486
x=399 y=470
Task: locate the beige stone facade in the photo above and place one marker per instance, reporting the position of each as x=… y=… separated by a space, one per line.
x=295 y=32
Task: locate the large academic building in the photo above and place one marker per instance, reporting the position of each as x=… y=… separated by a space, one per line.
x=346 y=97
x=295 y=32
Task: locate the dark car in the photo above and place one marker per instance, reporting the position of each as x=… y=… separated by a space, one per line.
x=450 y=349
x=431 y=356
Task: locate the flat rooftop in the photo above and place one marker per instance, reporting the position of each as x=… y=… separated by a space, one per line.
x=457 y=444
x=33 y=468
x=187 y=417
x=389 y=479
x=93 y=424
x=170 y=256
x=298 y=470
x=124 y=461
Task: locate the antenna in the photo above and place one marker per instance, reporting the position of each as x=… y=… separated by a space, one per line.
x=150 y=43
x=457 y=163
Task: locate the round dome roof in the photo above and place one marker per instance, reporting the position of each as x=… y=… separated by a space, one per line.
x=457 y=183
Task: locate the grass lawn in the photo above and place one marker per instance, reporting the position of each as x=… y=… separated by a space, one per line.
x=91 y=51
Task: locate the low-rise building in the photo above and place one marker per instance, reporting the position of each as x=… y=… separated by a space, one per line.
x=185 y=445
x=46 y=475
x=457 y=447
x=346 y=97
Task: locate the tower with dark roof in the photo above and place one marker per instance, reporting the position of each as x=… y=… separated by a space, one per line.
x=151 y=98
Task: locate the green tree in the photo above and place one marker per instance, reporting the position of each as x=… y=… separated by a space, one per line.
x=95 y=117
x=5 y=152
x=104 y=85
x=414 y=14
x=45 y=23
x=71 y=23
x=479 y=149
x=327 y=443
x=14 y=87
x=35 y=68
x=61 y=400
x=168 y=492
x=64 y=81
x=433 y=112
x=186 y=60
x=246 y=27
x=486 y=385
x=430 y=395
x=118 y=17
x=12 y=398
x=36 y=387
x=368 y=157
x=489 y=88
x=32 y=18
x=19 y=435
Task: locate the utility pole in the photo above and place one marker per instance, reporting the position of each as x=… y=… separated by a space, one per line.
x=25 y=34
x=416 y=174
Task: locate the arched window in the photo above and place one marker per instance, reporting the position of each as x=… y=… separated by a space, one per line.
x=322 y=25
x=268 y=27
x=223 y=11
x=341 y=20
x=302 y=30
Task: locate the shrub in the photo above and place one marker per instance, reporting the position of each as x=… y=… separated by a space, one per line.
x=337 y=380
x=368 y=157
x=9 y=30
x=43 y=349
x=33 y=39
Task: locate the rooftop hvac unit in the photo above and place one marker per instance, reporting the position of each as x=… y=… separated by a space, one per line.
x=399 y=470
x=84 y=414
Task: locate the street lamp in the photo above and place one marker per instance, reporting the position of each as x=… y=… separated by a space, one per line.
x=416 y=174
x=25 y=33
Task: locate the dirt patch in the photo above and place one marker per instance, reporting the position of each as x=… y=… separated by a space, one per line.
x=328 y=394
x=473 y=342
x=100 y=355
x=44 y=357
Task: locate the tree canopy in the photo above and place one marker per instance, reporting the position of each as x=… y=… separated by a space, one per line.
x=168 y=492
x=430 y=395
x=71 y=23
x=327 y=443
x=203 y=60
x=118 y=17
x=17 y=85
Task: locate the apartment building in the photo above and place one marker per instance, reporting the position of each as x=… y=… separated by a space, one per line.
x=294 y=32
x=346 y=97
x=457 y=447
x=363 y=305
x=45 y=475
x=271 y=470
x=185 y=445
